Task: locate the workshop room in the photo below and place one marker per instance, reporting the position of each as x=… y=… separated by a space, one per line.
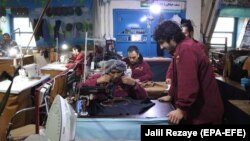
x=99 y=70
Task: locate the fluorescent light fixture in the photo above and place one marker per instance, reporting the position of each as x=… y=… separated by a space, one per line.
x=155 y=8
x=65 y=46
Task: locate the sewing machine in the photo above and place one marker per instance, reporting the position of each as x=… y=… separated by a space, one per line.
x=85 y=95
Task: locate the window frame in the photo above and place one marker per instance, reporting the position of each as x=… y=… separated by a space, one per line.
x=17 y=33
x=233 y=33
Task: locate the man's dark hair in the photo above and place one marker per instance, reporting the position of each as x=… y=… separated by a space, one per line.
x=6 y=34
x=168 y=30
x=133 y=48
x=78 y=47
x=188 y=24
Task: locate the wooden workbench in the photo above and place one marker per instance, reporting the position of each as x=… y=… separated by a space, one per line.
x=6 y=63
x=238 y=111
x=53 y=69
x=20 y=97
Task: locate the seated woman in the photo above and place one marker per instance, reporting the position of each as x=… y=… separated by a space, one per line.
x=77 y=57
x=114 y=79
x=140 y=69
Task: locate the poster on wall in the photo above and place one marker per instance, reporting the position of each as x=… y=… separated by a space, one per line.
x=136 y=27
x=174 y=7
x=166 y=4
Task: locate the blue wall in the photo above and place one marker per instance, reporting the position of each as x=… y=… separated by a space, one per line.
x=127 y=19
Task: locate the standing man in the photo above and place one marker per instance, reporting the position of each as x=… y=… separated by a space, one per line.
x=140 y=69
x=188 y=30
x=193 y=90
x=6 y=44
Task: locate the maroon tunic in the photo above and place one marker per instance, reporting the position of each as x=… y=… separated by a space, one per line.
x=194 y=88
x=77 y=60
x=140 y=70
x=120 y=89
x=170 y=68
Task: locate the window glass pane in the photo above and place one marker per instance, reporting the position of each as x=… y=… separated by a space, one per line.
x=224 y=25
x=23 y=31
x=219 y=38
x=23 y=24
x=24 y=39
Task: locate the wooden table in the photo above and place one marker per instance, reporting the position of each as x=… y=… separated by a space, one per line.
x=19 y=98
x=230 y=89
x=229 y=82
x=243 y=105
x=6 y=63
x=238 y=112
x=53 y=69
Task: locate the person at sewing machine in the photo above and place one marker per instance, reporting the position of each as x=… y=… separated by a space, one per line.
x=116 y=81
x=77 y=57
x=6 y=44
x=141 y=70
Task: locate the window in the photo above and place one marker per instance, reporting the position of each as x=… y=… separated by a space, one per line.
x=224 y=29
x=23 y=31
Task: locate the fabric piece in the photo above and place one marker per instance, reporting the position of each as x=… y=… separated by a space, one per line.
x=126 y=106
x=78 y=11
x=38 y=32
x=56 y=29
x=45 y=32
x=49 y=12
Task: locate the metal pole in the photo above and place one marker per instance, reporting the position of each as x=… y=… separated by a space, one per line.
x=57 y=50
x=85 y=56
x=38 y=24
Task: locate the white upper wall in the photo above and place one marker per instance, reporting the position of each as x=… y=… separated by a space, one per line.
x=193 y=12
